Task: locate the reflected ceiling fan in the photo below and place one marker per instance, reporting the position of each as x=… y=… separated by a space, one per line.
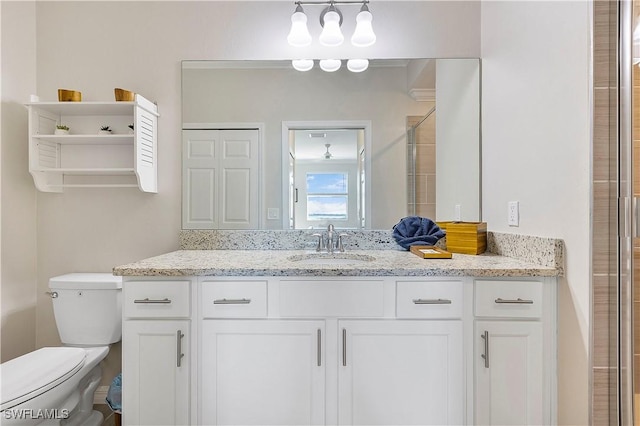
x=327 y=155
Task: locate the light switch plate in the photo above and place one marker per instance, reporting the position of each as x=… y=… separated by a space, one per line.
x=513 y=213
x=273 y=213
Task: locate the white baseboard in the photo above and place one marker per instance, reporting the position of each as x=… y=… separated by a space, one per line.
x=100 y=395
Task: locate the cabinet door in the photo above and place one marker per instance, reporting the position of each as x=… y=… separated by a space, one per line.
x=155 y=376
x=262 y=372
x=509 y=373
x=401 y=372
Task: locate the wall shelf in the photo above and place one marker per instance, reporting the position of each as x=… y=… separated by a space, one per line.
x=87 y=159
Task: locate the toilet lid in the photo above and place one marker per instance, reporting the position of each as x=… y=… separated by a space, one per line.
x=32 y=374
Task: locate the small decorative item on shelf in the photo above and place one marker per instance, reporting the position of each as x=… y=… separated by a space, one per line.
x=124 y=95
x=131 y=129
x=105 y=130
x=65 y=95
x=61 y=129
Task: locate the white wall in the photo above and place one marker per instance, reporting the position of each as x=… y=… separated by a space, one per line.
x=18 y=207
x=536 y=150
x=139 y=46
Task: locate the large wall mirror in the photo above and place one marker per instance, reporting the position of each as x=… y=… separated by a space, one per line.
x=269 y=147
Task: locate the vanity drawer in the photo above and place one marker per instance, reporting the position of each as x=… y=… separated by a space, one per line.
x=157 y=299
x=234 y=299
x=332 y=298
x=434 y=299
x=521 y=299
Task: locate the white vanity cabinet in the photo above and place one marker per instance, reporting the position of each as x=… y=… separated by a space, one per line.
x=401 y=372
x=262 y=372
x=340 y=350
x=156 y=352
x=86 y=158
x=514 y=352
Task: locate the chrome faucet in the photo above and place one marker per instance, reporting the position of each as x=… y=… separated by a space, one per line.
x=332 y=242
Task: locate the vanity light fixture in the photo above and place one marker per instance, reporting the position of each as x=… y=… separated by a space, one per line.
x=299 y=34
x=330 y=65
x=302 y=64
x=327 y=155
x=357 y=65
x=363 y=36
x=331 y=20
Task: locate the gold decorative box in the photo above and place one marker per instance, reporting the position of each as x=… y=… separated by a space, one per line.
x=465 y=237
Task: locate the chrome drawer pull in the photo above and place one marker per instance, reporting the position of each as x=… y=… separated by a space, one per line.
x=485 y=355
x=179 y=354
x=146 y=300
x=432 y=301
x=232 y=301
x=344 y=347
x=516 y=301
x=319 y=348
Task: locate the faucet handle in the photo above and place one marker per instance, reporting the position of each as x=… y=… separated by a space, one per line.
x=320 y=245
x=339 y=244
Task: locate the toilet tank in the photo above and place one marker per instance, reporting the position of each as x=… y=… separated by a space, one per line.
x=87 y=308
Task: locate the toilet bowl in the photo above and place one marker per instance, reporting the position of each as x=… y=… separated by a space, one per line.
x=55 y=385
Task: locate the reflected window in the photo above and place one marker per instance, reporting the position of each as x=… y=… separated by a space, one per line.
x=327 y=196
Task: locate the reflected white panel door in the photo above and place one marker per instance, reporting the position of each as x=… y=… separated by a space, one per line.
x=200 y=179
x=509 y=387
x=220 y=179
x=262 y=372
x=401 y=372
x=239 y=179
x=157 y=388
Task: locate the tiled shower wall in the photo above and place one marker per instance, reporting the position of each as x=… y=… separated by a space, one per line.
x=425 y=177
x=604 y=341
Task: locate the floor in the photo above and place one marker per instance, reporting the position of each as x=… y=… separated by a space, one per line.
x=109 y=416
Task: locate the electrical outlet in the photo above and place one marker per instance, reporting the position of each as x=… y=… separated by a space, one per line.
x=513 y=214
x=457 y=215
x=273 y=213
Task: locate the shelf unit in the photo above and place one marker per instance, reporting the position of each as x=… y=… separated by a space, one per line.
x=86 y=159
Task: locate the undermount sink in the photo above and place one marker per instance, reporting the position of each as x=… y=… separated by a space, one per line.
x=331 y=259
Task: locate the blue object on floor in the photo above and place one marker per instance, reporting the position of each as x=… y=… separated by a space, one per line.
x=416 y=230
x=114 y=394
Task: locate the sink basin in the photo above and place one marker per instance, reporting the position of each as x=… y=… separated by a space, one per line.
x=331 y=259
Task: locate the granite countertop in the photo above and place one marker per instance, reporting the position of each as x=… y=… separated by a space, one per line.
x=280 y=263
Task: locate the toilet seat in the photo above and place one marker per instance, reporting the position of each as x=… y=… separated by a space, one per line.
x=32 y=374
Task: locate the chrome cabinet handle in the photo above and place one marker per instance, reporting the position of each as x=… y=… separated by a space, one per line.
x=485 y=355
x=179 y=354
x=242 y=301
x=344 y=347
x=517 y=301
x=146 y=300
x=319 y=347
x=432 y=301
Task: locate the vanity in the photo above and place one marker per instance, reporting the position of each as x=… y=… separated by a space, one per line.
x=236 y=336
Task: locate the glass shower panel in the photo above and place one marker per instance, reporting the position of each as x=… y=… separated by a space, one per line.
x=421 y=165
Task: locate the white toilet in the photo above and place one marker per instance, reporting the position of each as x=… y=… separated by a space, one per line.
x=56 y=385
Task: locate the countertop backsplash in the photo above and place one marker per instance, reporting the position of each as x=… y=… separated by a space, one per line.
x=539 y=250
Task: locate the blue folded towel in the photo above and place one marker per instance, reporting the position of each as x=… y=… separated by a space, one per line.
x=416 y=230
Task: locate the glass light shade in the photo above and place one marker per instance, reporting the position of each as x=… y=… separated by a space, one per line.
x=330 y=65
x=331 y=34
x=357 y=65
x=302 y=64
x=363 y=36
x=299 y=34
